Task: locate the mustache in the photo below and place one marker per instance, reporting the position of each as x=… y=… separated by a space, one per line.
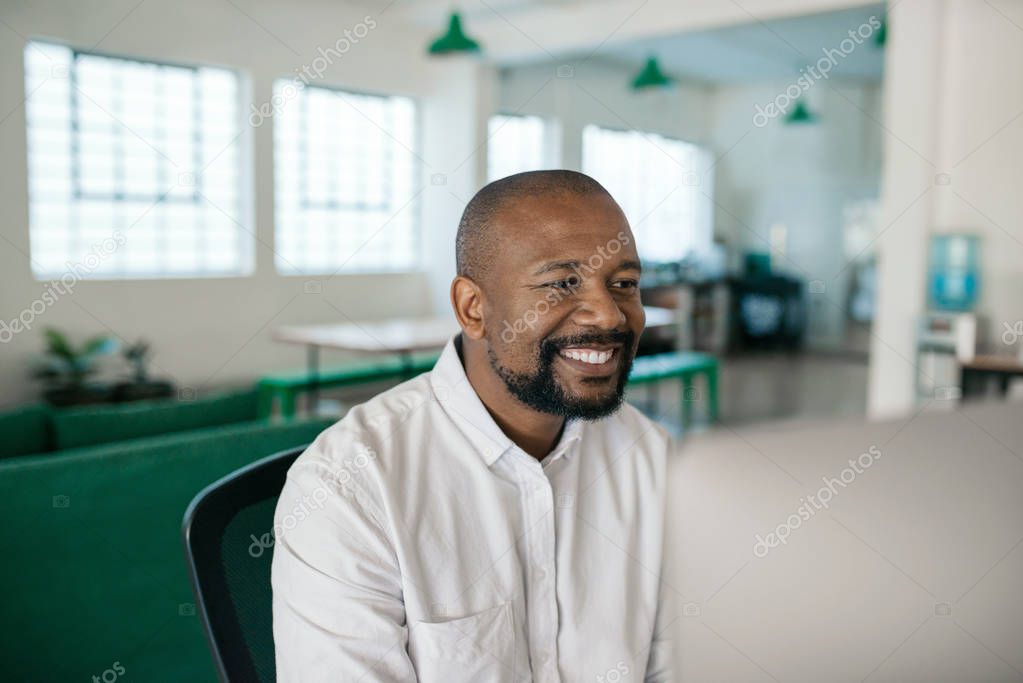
x=552 y=345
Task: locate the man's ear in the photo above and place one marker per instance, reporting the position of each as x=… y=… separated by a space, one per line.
x=467 y=300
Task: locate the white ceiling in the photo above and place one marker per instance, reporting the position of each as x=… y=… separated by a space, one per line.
x=760 y=51
x=707 y=40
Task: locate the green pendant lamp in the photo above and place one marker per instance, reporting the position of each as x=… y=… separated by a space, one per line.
x=455 y=40
x=651 y=76
x=800 y=114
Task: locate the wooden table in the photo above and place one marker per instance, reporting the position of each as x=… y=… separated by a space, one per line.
x=400 y=336
x=975 y=373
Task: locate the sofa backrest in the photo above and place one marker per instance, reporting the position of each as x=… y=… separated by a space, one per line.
x=25 y=430
x=93 y=554
x=86 y=426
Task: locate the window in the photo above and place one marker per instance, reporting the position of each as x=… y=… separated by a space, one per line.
x=514 y=144
x=133 y=167
x=660 y=183
x=345 y=181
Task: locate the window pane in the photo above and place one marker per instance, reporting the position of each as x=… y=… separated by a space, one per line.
x=660 y=185
x=131 y=163
x=514 y=144
x=345 y=179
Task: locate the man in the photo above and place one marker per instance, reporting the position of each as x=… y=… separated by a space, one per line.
x=499 y=518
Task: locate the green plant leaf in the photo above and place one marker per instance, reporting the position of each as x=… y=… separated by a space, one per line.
x=57 y=343
x=99 y=346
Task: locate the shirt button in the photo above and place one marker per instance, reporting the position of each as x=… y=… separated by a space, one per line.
x=540 y=574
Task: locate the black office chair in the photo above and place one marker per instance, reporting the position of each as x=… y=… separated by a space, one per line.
x=228 y=539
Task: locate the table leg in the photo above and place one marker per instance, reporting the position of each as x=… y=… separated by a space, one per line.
x=687 y=400
x=287 y=404
x=406 y=365
x=313 y=368
x=266 y=401
x=970 y=384
x=712 y=394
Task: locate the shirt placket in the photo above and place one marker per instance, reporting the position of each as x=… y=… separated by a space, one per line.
x=543 y=600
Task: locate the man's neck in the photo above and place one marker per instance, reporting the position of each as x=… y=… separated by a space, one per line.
x=534 y=432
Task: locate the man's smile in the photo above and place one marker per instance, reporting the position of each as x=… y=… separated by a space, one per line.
x=597 y=360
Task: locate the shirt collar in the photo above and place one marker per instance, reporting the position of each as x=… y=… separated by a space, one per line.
x=459 y=400
x=456 y=396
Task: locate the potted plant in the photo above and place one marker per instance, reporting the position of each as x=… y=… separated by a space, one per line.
x=141 y=386
x=67 y=368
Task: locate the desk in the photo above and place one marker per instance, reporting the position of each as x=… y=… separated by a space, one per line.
x=975 y=373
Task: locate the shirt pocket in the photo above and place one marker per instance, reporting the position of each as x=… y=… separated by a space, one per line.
x=478 y=647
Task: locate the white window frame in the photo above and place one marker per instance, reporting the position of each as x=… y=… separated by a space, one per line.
x=550 y=139
x=409 y=205
x=178 y=191
x=695 y=178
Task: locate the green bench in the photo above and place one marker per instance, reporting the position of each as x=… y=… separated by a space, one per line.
x=685 y=366
x=285 y=387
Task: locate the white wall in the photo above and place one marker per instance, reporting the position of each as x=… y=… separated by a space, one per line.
x=594 y=92
x=953 y=101
x=212 y=332
x=801 y=177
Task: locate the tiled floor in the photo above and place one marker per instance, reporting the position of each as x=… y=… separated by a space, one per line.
x=772 y=386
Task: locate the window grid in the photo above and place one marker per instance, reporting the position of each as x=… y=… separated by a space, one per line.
x=657 y=182
x=119 y=132
x=110 y=155
x=345 y=178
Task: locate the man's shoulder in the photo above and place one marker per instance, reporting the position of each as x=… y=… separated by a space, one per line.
x=370 y=431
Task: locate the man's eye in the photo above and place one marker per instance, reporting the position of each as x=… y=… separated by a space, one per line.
x=567 y=284
x=625 y=284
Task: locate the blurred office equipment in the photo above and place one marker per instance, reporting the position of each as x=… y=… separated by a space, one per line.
x=756 y=309
x=949 y=332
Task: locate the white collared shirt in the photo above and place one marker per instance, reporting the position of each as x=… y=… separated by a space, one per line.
x=416 y=542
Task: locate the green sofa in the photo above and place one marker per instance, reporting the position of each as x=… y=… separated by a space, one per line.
x=42 y=429
x=94 y=572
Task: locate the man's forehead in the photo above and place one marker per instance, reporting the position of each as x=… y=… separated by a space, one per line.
x=568 y=218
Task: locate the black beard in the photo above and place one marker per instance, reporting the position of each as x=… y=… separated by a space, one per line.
x=540 y=391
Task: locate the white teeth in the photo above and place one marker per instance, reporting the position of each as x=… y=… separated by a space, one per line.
x=592 y=357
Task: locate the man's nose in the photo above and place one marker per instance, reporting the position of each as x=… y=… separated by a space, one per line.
x=598 y=308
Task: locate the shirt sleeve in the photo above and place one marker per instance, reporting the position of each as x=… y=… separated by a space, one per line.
x=338 y=612
x=659 y=667
x=660 y=664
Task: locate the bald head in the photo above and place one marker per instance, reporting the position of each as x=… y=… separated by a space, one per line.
x=479 y=231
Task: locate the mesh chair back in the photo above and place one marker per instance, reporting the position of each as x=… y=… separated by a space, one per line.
x=229 y=545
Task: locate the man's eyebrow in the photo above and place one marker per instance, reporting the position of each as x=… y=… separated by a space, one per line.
x=630 y=265
x=556 y=265
x=576 y=265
